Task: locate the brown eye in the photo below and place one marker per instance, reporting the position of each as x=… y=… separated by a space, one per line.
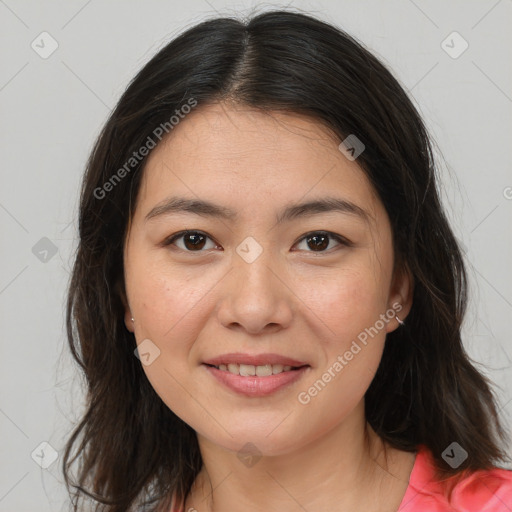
x=192 y=241
x=195 y=241
x=319 y=241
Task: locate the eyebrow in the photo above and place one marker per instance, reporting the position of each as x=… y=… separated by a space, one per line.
x=205 y=208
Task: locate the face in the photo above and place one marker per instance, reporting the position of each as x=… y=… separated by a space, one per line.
x=258 y=282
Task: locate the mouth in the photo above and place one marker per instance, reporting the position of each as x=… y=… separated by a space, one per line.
x=250 y=370
x=257 y=381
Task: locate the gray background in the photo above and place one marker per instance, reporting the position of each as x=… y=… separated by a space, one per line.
x=52 y=109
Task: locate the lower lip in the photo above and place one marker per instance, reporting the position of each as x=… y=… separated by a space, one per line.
x=256 y=386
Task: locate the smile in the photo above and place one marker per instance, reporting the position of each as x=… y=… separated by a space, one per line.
x=250 y=370
x=256 y=381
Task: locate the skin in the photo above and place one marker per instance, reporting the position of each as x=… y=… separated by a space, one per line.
x=295 y=299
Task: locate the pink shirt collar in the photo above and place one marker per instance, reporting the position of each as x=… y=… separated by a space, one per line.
x=481 y=491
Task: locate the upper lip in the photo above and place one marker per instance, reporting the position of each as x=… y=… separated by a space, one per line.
x=256 y=360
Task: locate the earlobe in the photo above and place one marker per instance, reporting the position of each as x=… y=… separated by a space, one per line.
x=400 y=300
x=128 y=319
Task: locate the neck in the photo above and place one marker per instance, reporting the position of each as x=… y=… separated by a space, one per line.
x=348 y=468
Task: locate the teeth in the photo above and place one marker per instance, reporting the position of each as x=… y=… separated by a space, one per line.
x=246 y=370
x=264 y=371
x=277 y=368
x=249 y=370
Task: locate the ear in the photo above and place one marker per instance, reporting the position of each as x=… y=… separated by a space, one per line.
x=127 y=312
x=401 y=293
x=128 y=320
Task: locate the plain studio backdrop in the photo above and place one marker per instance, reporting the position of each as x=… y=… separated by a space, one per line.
x=64 y=66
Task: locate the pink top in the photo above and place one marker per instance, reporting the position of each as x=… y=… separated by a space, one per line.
x=481 y=491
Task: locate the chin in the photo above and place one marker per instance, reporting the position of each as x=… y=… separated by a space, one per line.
x=258 y=442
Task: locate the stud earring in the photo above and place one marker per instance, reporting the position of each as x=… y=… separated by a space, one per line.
x=133 y=319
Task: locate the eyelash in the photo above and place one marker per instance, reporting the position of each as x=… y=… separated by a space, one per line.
x=341 y=240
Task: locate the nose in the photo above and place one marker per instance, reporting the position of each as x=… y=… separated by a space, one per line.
x=256 y=296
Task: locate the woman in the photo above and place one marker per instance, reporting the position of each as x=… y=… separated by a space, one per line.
x=267 y=298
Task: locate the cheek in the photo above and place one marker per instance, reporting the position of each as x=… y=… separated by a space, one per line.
x=346 y=301
x=347 y=307
x=165 y=301
x=349 y=310
x=169 y=308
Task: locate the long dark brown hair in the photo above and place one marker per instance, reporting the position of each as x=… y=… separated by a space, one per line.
x=133 y=451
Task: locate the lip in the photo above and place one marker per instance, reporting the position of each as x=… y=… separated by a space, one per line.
x=254 y=359
x=257 y=386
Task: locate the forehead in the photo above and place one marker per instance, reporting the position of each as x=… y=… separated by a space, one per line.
x=236 y=154
x=240 y=122
x=232 y=132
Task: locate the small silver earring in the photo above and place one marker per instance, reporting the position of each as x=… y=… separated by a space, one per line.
x=400 y=322
x=133 y=319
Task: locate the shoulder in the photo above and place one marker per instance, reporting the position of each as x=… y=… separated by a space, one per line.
x=487 y=490
x=484 y=491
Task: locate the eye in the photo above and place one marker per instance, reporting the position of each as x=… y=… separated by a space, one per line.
x=320 y=240
x=193 y=241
